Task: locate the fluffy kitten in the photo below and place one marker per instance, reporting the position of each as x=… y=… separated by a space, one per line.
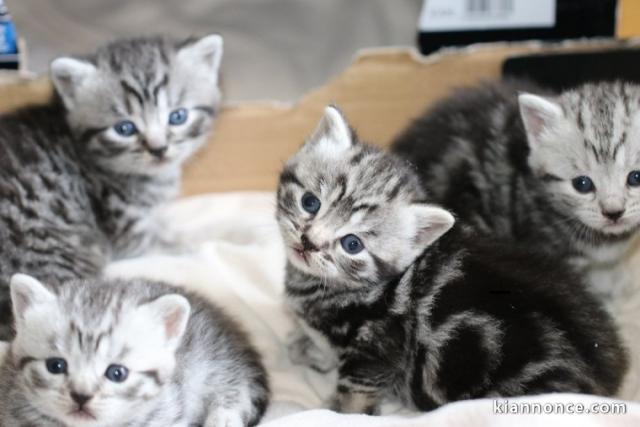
x=126 y=353
x=561 y=172
x=415 y=309
x=81 y=176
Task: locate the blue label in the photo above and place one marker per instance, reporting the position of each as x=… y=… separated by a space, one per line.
x=8 y=38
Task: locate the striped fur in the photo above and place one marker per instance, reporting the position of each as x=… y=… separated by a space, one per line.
x=203 y=372
x=425 y=313
x=506 y=167
x=72 y=193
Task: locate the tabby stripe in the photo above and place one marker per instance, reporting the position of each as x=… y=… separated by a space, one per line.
x=289 y=177
x=549 y=177
x=25 y=361
x=154 y=376
x=129 y=90
x=91 y=132
x=205 y=109
x=156 y=90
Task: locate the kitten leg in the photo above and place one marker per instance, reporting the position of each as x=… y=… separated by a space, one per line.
x=303 y=350
x=361 y=382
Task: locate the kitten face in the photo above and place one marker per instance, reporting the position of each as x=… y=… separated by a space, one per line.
x=349 y=212
x=92 y=360
x=142 y=106
x=586 y=146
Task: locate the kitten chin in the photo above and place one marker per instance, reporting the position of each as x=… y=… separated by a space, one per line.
x=166 y=357
x=440 y=313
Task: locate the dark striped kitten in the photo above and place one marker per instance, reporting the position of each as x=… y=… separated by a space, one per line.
x=416 y=309
x=560 y=172
x=126 y=353
x=81 y=176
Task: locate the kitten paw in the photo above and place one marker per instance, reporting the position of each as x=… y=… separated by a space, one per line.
x=355 y=403
x=222 y=417
x=303 y=351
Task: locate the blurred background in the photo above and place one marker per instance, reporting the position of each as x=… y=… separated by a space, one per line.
x=274 y=49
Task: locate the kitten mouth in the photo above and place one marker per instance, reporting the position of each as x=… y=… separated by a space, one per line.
x=302 y=254
x=82 y=414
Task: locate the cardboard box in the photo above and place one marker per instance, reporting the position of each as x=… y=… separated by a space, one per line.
x=380 y=93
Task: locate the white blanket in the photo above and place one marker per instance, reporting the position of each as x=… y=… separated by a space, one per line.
x=237 y=261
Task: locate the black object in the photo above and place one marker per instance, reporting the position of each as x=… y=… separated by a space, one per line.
x=562 y=71
x=574 y=19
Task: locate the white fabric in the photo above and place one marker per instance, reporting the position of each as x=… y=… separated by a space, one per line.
x=237 y=261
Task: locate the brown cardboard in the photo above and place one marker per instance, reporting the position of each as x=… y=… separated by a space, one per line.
x=380 y=93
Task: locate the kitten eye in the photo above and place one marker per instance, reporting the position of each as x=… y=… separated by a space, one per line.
x=351 y=244
x=125 y=128
x=116 y=373
x=583 y=184
x=56 y=365
x=178 y=117
x=310 y=203
x=633 y=179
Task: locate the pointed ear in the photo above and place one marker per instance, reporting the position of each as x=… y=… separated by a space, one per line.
x=27 y=291
x=68 y=74
x=206 y=51
x=431 y=222
x=172 y=313
x=539 y=115
x=332 y=135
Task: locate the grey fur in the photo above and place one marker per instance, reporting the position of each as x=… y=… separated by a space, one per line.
x=216 y=378
x=506 y=168
x=426 y=313
x=74 y=194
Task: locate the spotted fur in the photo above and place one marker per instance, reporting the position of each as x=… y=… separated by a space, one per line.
x=425 y=313
x=73 y=193
x=188 y=363
x=502 y=156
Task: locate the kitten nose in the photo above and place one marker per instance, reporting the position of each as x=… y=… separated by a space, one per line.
x=80 y=399
x=307 y=245
x=613 y=215
x=158 y=152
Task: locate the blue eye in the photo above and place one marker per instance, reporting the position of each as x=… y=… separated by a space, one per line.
x=310 y=203
x=125 y=128
x=178 y=117
x=351 y=244
x=633 y=179
x=116 y=373
x=583 y=184
x=56 y=365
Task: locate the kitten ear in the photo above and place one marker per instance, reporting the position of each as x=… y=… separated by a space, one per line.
x=538 y=114
x=208 y=51
x=172 y=312
x=431 y=222
x=333 y=134
x=68 y=74
x=27 y=291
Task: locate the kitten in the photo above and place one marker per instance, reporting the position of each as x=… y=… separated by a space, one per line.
x=81 y=177
x=416 y=309
x=561 y=172
x=126 y=353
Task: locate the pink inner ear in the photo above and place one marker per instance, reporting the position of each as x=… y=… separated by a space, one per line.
x=172 y=323
x=536 y=120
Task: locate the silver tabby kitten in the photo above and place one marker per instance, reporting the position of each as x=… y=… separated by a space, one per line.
x=126 y=353
x=558 y=171
x=414 y=308
x=81 y=177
